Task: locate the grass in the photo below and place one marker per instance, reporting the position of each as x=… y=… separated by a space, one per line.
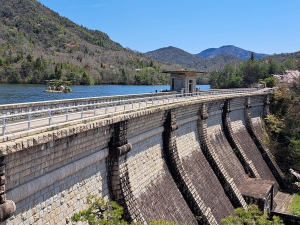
x=294 y=207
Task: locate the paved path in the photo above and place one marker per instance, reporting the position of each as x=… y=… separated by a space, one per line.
x=283 y=200
x=28 y=121
x=37 y=121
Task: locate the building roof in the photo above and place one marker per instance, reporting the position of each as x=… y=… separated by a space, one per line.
x=184 y=72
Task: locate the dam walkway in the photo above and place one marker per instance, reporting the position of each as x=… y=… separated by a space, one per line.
x=25 y=117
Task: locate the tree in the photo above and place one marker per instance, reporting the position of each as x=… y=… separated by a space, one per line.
x=226 y=78
x=274 y=67
x=252 y=216
x=271 y=81
x=29 y=58
x=252 y=56
x=103 y=212
x=252 y=71
x=289 y=64
x=38 y=64
x=283 y=126
x=86 y=79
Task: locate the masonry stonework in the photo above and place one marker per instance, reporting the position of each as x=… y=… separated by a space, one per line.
x=171 y=162
x=199 y=172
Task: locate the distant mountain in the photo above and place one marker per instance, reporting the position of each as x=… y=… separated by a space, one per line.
x=190 y=61
x=229 y=49
x=175 y=55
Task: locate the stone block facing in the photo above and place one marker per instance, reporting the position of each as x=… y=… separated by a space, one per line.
x=66 y=163
x=254 y=115
x=244 y=140
x=211 y=155
x=200 y=173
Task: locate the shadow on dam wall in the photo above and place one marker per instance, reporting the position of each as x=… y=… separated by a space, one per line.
x=191 y=163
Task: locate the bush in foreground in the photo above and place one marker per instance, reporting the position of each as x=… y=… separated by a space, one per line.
x=251 y=217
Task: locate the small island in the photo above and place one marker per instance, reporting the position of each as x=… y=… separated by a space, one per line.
x=58 y=86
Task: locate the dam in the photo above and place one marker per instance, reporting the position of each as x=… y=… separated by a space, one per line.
x=187 y=158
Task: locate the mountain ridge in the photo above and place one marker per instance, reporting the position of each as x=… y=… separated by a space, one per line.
x=178 y=56
x=229 y=49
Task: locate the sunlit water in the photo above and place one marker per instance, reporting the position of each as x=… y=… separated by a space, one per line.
x=18 y=93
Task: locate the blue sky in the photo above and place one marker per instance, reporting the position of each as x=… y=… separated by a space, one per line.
x=262 y=26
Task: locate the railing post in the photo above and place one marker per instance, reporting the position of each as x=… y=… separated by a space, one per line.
x=28 y=121
x=81 y=112
x=152 y=101
x=94 y=109
x=105 y=108
x=67 y=115
x=3 y=128
x=50 y=118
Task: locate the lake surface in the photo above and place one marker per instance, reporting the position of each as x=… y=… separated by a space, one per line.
x=18 y=93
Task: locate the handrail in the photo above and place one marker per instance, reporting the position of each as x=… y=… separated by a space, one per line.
x=110 y=107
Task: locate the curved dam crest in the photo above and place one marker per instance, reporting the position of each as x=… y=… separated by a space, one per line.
x=190 y=162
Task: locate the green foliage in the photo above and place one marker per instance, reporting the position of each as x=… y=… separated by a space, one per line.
x=250 y=72
x=1 y=61
x=103 y=212
x=100 y=211
x=245 y=75
x=294 y=207
x=86 y=79
x=274 y=67
x=253 y=216
x=289 y=64
x=283 y=125
x=271 y=81
x=274 y=123
x=59 y=85
x=227 y=78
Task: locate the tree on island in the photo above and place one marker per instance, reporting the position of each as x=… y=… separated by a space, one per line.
x=58 y=86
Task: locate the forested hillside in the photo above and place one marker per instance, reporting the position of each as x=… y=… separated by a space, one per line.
x=37 y=44
x=251 y=71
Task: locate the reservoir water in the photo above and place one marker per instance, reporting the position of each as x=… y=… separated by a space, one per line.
x=18 y=93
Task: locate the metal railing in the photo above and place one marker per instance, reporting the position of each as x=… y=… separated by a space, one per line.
x=47 y=117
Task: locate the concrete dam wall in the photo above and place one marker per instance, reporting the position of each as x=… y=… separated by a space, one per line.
x=191 y=162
